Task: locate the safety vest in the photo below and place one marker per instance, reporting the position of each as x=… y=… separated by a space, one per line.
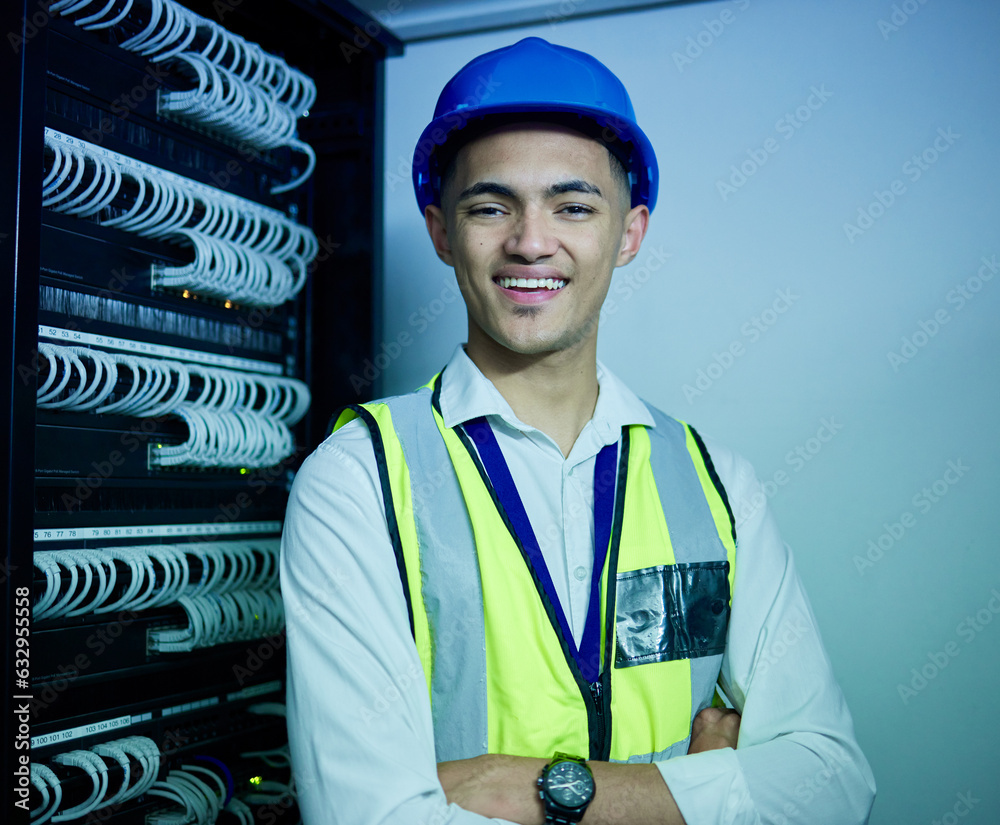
x=499 y=673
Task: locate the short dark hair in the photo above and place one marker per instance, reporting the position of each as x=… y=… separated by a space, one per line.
x=619 y=152
x=619 y=174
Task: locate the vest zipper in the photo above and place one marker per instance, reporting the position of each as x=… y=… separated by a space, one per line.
x=598 y=696
x=598 y=745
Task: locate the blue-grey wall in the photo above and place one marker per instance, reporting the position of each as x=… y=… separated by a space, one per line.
x=828 y=306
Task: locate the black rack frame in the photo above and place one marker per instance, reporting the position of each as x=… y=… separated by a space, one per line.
x=340 y=308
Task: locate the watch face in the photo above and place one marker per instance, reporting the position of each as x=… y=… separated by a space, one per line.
x=569 y=784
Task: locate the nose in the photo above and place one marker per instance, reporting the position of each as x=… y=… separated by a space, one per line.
x=531 y=236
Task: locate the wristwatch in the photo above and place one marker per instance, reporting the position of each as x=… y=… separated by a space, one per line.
x=566 y=788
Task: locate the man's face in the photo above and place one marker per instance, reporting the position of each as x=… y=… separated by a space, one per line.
x=532 y=222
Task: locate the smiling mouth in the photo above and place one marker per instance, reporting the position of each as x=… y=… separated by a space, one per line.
x=530 y=283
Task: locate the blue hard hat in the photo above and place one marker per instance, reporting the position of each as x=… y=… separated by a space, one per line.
x=535 y=77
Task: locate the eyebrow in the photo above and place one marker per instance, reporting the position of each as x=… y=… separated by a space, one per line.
x=573 y=186
x=493 y=188
x=486 y=188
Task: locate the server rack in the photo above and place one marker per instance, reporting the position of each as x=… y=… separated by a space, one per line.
x=84 y=487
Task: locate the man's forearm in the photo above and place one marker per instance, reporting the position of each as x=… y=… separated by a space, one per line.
x=631 y=794
x=506 y=787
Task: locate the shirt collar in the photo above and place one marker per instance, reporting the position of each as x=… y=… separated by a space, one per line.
x=466 y=394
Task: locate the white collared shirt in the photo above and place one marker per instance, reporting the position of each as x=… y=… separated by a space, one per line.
x=359 y=716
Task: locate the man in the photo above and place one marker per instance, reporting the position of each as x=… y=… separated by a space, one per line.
x=517 y=588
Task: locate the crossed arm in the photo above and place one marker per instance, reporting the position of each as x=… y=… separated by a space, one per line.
x=501 y=786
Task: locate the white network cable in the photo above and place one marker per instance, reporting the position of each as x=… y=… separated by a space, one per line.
x=241 y=811
x=184 y=786
x=243 y=251
x=273 y=793
x=226 y=439
x=242 y=92
x=140 y=748
x=78 y=587
x=145 y=751
x=219 y=619
x=45 y=780
x=114 y=751
x=171 y=29
x=97 y=769
x=269 y=709
x=278 y=757
x=237 y=419
x=222 y=102
x=160 y=575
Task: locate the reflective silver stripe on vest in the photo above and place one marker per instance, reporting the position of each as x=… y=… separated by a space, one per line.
x=451 y=586
x=692 y=534
x=684 y=502
x=449 y=574
x=676 y=749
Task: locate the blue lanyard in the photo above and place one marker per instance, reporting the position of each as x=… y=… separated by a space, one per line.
x=588 y=656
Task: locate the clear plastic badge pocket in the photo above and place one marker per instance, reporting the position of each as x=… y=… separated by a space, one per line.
x=668 y=612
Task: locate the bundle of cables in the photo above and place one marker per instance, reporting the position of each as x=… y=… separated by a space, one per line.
x=220 y=619
x=187 y=786
x=200 y=791
x=276 y=795
x=84 y=581
x=243 y=252
x=223 y=103
x=242 y=92
x=138 y=750
x=203 y=793
x=279 y=758
x=234 y=419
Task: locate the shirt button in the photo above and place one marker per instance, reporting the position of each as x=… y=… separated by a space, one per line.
x=580 y=573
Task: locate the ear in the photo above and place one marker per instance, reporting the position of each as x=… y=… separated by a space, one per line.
x=636 y=224
x=438 y=231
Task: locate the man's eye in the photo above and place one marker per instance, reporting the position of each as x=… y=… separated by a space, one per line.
x=485 y=211
x=577 y=209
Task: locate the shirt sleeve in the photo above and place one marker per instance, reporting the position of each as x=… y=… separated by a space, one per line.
x=797 y=760
x=359 y=720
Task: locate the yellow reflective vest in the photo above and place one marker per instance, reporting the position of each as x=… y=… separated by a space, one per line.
x=500 y=675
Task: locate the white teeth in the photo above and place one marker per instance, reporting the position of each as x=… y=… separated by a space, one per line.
x=532 y=283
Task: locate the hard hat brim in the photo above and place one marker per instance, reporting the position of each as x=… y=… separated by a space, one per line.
x=613 y=130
